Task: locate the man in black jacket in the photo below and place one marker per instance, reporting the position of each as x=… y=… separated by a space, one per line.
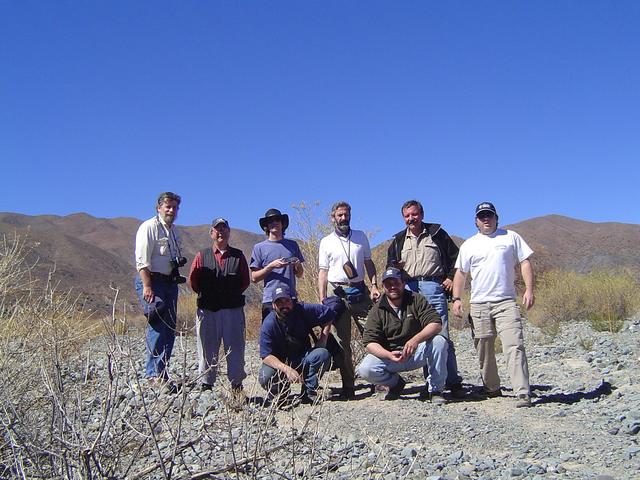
x=427 y=255
x=220 y=275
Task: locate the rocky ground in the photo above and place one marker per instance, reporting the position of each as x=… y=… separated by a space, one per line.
x=583 y=424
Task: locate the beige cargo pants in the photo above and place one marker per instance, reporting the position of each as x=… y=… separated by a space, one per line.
x=500 y=318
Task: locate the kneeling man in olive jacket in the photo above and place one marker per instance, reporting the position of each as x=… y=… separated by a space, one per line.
x=401 y=334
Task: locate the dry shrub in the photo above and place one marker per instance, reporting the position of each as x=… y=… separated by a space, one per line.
x=309 y=227
x=253 y=320
x=187 y=308
x=612 y=297
x=74 y=405
x=604 y=298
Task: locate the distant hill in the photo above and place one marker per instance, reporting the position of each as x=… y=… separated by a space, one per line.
x=89 y=254
x=569 y=244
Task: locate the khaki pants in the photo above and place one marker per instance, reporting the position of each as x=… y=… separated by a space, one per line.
x=342 y=331
x=501 y=318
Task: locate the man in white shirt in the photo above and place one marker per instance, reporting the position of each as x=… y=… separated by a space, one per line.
x=158 y=257
x=344 y=257
x=491 y=257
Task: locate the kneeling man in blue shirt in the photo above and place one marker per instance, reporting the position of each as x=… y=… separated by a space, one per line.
x=285 y=346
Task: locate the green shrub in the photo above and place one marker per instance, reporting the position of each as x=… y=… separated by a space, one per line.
x=604 y=298
x=612 y=297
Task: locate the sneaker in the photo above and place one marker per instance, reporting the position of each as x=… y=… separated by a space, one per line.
x=523 y=400
x=394 y=392
x=204 y=387
x=437 y=398
x=171 y=388
x=163 y=385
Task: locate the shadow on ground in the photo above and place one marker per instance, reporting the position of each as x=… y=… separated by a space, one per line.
x=602 y=390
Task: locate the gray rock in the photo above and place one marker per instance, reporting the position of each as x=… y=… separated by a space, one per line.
x=409 y=452
x=455 y=457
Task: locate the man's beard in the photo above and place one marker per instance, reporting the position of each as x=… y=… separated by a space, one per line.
x=343 y=227
x=283 y=313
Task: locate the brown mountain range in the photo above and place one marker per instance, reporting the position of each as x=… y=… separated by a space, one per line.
x=89 y=254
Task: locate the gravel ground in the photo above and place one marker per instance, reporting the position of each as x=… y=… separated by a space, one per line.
x=583 y=424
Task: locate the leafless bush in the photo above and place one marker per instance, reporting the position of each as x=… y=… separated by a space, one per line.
x=74 y=404
x=309 y=226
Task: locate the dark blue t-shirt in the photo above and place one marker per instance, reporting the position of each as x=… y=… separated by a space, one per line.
x=266 y=252
x=273 y=333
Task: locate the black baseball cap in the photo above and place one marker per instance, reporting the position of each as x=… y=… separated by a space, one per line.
x=486 y=207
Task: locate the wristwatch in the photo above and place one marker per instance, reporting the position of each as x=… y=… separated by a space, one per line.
x=453 y=299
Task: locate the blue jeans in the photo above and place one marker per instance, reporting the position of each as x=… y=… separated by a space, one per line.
x=436 y=296
x=431 y=356
x=314 y=364
x=161 y=325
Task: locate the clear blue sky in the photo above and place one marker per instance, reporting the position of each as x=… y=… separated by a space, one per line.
x=240 y=106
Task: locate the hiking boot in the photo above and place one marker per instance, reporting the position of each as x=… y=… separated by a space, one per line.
x=348 y=393
x=437 y=398
x=523 y=400
x=205 y=387
x=238 y=397
x=457 y=391
x=491 y=393
x=393 y=393
x=312 y=397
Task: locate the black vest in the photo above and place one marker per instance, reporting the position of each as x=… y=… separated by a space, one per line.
x=220 y=287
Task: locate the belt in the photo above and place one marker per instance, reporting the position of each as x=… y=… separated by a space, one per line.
x=161 y=276
x=426 y=278
x=349 y=284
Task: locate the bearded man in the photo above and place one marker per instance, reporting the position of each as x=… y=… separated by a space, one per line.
x=343 y=259
x=286 y=350
x=158 y=256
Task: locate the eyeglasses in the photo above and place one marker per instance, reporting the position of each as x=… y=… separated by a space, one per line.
x=483 y=215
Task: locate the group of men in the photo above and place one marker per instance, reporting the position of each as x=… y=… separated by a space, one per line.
x=403 y=322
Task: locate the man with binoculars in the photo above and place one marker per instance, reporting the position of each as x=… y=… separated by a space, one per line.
x=158 y=257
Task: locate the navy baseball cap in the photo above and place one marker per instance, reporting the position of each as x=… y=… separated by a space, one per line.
x=391 y=272
x=486 y=207
x=281 y=291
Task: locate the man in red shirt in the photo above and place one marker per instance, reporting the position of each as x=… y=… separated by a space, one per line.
x=220 y=275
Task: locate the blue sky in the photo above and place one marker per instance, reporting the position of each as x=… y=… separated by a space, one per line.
x=242 y=106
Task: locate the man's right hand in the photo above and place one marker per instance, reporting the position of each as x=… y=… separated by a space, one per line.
x=293 y=375
x=147 y=294
x=396 y=356
x=457 y=308
x=277 y=263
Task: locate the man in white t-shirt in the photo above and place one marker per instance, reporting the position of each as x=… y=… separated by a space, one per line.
x=491 y=257
x=344 y=257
